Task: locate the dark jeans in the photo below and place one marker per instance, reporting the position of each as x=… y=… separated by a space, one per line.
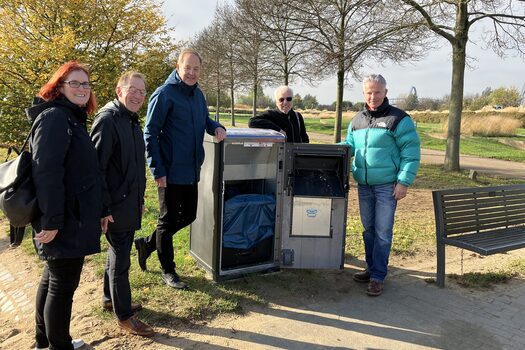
x=377 y=208
x=116 y=274
x=178 y=209
x=16 y=234
x=54 y=300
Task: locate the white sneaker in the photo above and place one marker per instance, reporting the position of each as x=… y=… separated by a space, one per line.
x=77 y=343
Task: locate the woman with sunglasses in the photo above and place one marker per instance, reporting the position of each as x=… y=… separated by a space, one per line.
x=69 y=192
x=283 y=119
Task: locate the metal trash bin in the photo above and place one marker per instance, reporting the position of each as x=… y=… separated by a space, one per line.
x=266 y=204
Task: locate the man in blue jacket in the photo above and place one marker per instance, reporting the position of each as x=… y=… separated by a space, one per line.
x=176 y=120
x=386 y=151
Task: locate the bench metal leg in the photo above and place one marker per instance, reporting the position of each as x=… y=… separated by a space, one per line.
x=440 y=274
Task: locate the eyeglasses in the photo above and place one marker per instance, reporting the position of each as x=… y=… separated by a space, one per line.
x=133 y=90
x=285 y=98
x=77 y=84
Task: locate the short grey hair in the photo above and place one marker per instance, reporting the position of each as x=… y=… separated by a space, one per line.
x=280 y=89
x=374 y=78
x=189 y=51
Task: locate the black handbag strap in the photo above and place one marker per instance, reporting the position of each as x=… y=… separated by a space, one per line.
x=12 y=149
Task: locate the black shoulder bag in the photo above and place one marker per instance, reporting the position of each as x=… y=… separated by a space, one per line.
x=17 y=191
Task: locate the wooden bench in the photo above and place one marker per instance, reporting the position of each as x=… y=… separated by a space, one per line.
x=485 y=220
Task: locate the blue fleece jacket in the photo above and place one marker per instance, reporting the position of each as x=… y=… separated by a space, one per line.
x=176 y=120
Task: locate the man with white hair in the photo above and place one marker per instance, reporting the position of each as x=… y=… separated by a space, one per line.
x=283 y=119
x=386 y=151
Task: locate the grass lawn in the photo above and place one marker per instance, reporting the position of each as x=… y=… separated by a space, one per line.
x=486 y=147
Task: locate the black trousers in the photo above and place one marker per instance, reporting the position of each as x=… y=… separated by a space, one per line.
x=54 y=300
x=16 y=234
x=116 y=273
x=178 y=209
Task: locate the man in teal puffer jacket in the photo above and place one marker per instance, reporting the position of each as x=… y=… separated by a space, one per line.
x=386 y=151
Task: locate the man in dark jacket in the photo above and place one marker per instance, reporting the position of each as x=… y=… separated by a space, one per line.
x=120 y=147
x=283 y=119
x=176 y=121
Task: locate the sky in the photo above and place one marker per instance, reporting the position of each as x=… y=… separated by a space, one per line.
x=431 y=76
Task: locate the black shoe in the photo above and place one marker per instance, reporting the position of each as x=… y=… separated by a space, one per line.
x=173 y=280
x=362 y=277
x=142 y=253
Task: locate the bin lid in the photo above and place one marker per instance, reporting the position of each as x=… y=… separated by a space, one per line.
x=235 y=135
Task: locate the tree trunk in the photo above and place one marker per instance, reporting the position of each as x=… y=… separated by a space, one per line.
x=217 y=117
x=459 y=53
x=286 y=73
x=254 y=102
x=232 y=104
x=339 y=102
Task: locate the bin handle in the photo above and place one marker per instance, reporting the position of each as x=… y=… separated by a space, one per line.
x=289 y=184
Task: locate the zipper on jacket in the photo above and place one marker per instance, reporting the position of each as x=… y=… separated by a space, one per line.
x=366 y=148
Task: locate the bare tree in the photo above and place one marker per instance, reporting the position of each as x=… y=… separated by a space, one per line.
x=346 y=32
x=250 y=48
x=454 y=20
x=289 y=52
x=212 y=44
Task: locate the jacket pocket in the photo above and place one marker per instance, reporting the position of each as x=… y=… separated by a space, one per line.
x=88 y=200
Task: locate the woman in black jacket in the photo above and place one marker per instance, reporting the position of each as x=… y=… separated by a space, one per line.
x=69 y=192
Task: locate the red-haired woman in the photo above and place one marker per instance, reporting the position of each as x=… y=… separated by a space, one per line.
x=69 y=193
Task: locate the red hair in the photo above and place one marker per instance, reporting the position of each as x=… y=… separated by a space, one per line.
x=50 y=91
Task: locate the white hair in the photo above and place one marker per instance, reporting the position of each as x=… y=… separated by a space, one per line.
x=281 y=89
x=374 y=78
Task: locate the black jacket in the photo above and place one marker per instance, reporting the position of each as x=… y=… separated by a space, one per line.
x=121 y=152
x=292 y=124
x=67 y=180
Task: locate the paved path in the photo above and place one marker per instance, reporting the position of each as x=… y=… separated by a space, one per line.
x=481 y=165
x=411 y=314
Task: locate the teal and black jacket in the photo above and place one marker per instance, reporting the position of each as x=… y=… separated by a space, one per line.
x=385 y=146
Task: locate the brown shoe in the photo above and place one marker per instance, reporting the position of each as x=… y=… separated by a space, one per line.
x=375 y=288
x=108 y=306
x=362 y=276
x=137 y=327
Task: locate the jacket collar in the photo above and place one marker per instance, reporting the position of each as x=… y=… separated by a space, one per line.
x=40 y=105
x=380 y=110
x=124 y=112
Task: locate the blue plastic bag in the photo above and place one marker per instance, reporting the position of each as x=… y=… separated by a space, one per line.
x=248 y=219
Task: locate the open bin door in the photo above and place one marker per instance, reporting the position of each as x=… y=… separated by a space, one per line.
x=314 y=206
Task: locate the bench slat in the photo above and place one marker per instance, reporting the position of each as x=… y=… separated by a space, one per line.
x=481 y=211
x=483 y=203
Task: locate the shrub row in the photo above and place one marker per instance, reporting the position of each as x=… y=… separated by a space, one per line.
x=441 y=117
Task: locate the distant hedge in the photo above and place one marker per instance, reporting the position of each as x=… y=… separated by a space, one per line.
x=441 y=117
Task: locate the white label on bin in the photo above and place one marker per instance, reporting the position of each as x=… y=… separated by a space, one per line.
x=311 y=216
x=258 y=144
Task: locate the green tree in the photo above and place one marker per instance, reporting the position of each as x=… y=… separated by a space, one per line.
x=36 y=36
x=298 y=101
x=505 y=97
x=310 y=102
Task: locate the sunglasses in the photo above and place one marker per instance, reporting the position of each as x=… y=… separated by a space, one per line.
x=285 y=98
